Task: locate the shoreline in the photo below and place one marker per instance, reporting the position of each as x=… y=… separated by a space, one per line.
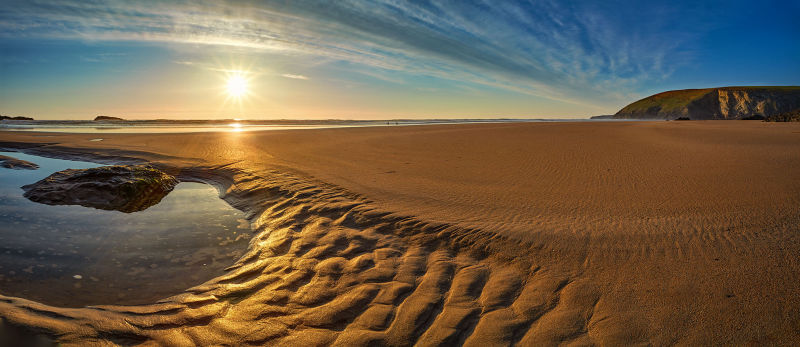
x=213 y=126
x=342 y=244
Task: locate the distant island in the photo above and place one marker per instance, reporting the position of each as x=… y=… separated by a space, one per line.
x=14 y=118
x=715 y=103
x=107 y=119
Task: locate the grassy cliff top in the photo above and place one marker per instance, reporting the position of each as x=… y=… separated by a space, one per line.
x=675 y=99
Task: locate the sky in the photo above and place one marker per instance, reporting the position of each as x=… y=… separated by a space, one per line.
x=381 y=59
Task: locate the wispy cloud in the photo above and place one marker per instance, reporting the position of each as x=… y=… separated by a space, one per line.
x=296 y=77
x=567 y=51
x=102 y=57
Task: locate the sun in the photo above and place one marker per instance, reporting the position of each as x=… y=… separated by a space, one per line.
x=236 y=86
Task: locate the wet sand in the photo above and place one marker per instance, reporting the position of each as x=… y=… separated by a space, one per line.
x=534 y=234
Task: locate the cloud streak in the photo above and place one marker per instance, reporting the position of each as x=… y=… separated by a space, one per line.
x=294 y=77
x=571 y=52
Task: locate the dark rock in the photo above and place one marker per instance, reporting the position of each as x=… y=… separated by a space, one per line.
x=126 y=188
x=107 y=118
x=683 y=118
x=605 y=116
x=15 y=118
x=791 y=116
x=18 y=164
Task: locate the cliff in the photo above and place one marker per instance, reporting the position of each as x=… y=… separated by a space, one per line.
x=714 y=103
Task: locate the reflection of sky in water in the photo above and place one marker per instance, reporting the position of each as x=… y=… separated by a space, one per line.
x=74 y=255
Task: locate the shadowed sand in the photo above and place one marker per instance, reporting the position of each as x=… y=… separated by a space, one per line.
x=491 y=234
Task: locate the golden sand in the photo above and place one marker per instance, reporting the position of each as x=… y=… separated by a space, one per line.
x=485 y=234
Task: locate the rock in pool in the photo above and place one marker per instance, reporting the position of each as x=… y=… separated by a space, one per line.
x=126 y=188
x=18 y=164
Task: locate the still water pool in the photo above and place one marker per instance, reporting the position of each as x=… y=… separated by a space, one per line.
x=75 y=256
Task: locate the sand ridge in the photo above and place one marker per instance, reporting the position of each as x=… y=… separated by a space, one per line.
x=440 y=235
x=325 y=269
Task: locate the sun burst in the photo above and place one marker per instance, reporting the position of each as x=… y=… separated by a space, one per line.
x=237 y=85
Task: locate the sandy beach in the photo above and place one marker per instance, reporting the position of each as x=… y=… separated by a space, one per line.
x=580 y=233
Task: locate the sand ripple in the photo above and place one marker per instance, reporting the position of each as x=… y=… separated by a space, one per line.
x=324 y=268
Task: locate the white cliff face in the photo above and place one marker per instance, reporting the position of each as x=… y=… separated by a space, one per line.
x=736 y=104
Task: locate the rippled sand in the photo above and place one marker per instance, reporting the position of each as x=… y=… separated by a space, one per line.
x=534 y=234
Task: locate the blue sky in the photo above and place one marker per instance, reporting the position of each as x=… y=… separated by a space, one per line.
x=381 y=58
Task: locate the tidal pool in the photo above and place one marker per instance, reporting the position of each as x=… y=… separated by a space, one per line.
x=75 y=256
